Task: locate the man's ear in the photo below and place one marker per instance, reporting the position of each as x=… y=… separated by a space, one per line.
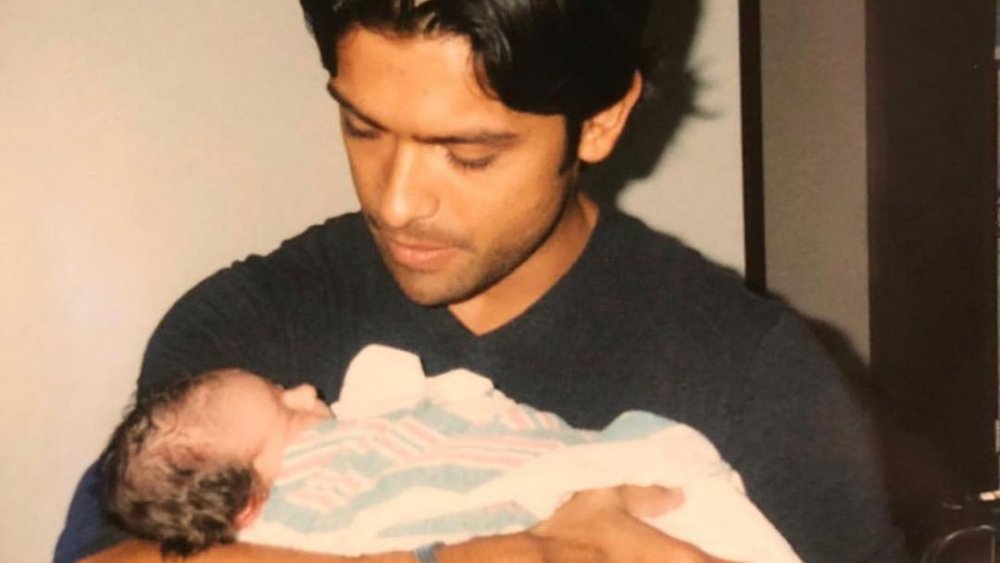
x=251 y=511
x=601 y=132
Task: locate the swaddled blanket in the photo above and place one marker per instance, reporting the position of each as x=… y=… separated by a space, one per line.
x=412 y=459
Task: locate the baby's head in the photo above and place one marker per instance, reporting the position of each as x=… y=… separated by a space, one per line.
x=192 y=463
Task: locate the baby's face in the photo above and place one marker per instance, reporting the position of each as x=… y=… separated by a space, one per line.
x=252 y=418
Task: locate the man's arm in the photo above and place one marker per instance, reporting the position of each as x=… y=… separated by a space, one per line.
x=806 y=453
x=136 y=551
x=522 y=547
x=86 y=530
x=599 y=526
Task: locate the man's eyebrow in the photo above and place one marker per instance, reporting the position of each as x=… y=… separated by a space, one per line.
x=346 y=104
x=471 y=138
x=480 y=137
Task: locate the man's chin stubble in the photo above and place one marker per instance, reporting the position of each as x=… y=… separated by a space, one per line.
x=459 y=291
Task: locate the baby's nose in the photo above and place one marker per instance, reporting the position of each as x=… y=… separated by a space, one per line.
x=300 y=397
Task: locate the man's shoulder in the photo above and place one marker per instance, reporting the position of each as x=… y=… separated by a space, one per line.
x=271 y=313
x=343 y=237
x=649 y=248
x=672 y=277
x=338 y=247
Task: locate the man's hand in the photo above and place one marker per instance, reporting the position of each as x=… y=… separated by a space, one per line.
x=605 y=525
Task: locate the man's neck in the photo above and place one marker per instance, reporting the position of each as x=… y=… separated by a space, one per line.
x=519 y=290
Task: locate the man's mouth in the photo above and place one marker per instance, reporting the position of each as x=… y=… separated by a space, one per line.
x=420 y=256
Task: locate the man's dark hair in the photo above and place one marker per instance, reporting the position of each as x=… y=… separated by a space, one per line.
x=159 y=485
x=567 y=57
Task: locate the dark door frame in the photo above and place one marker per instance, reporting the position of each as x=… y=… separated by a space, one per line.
x=931 y=91
x=932 y=190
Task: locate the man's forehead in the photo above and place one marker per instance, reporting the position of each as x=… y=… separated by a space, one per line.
x=415 y=84
x=432 y=59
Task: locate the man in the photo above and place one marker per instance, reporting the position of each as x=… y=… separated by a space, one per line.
x=467 y=123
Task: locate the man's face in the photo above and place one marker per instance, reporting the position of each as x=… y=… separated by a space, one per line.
x=458 y=190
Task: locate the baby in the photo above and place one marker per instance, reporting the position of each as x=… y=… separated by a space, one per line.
x=193 y=463
x=408 y=460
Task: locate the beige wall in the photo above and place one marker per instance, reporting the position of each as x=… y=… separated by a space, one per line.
x=813 y=77
x=696 y=191
x=144 y=145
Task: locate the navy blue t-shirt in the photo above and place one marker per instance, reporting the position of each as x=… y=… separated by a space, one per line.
x=639 y=322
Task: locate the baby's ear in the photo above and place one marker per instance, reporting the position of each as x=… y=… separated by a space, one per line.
x=251 y=511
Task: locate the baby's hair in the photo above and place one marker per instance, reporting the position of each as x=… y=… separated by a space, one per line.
x=174 y=491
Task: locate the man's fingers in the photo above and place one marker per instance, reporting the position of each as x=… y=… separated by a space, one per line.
x=641 y=501
x=604 y=523
x=649 y=501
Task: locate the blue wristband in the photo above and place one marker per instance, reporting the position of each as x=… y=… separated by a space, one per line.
x=425 y=553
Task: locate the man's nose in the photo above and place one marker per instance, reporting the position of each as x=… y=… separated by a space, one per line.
x=408 y=194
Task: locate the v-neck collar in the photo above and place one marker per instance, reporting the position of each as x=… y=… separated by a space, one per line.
x=540 y=315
